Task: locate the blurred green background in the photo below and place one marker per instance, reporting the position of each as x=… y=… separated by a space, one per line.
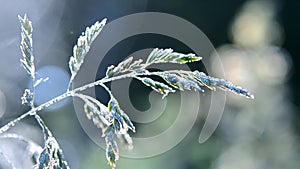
x=257 y=42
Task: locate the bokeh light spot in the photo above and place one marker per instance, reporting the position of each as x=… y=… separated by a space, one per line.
x=56 y=85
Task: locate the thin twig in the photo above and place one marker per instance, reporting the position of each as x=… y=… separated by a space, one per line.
x=35 y=110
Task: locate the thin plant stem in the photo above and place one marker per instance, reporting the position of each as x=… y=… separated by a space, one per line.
x=107 y=89
x=34 y=110
x=69 y=93
x=46 y=131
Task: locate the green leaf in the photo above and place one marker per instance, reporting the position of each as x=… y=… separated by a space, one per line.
x=168 y=56
x=26 y=46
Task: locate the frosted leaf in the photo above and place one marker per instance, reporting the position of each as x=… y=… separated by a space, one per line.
x=96 y=115
x=26 y=45
x=226 y=85
x=188 y=80
x=168 y=56
x=125 y=67
x=51 y=157
x=95 y=111
x=112 y=120
x=181 y=81
x=112 y=151
x=156 y=86
x=83 y=45
x=120 y=120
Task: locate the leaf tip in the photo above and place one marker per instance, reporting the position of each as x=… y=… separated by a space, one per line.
x=104 y=21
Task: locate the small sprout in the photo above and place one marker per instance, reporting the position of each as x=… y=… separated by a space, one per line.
x=27 y=97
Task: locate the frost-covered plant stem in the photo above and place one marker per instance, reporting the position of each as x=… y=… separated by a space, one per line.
x=110 y=118
x=69 y=93
x=61 y=97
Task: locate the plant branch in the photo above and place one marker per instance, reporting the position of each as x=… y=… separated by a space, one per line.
x=61 y=97
x=46 y=131
x=96 y=83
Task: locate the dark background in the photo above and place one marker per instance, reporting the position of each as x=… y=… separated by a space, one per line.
x=213 y=17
